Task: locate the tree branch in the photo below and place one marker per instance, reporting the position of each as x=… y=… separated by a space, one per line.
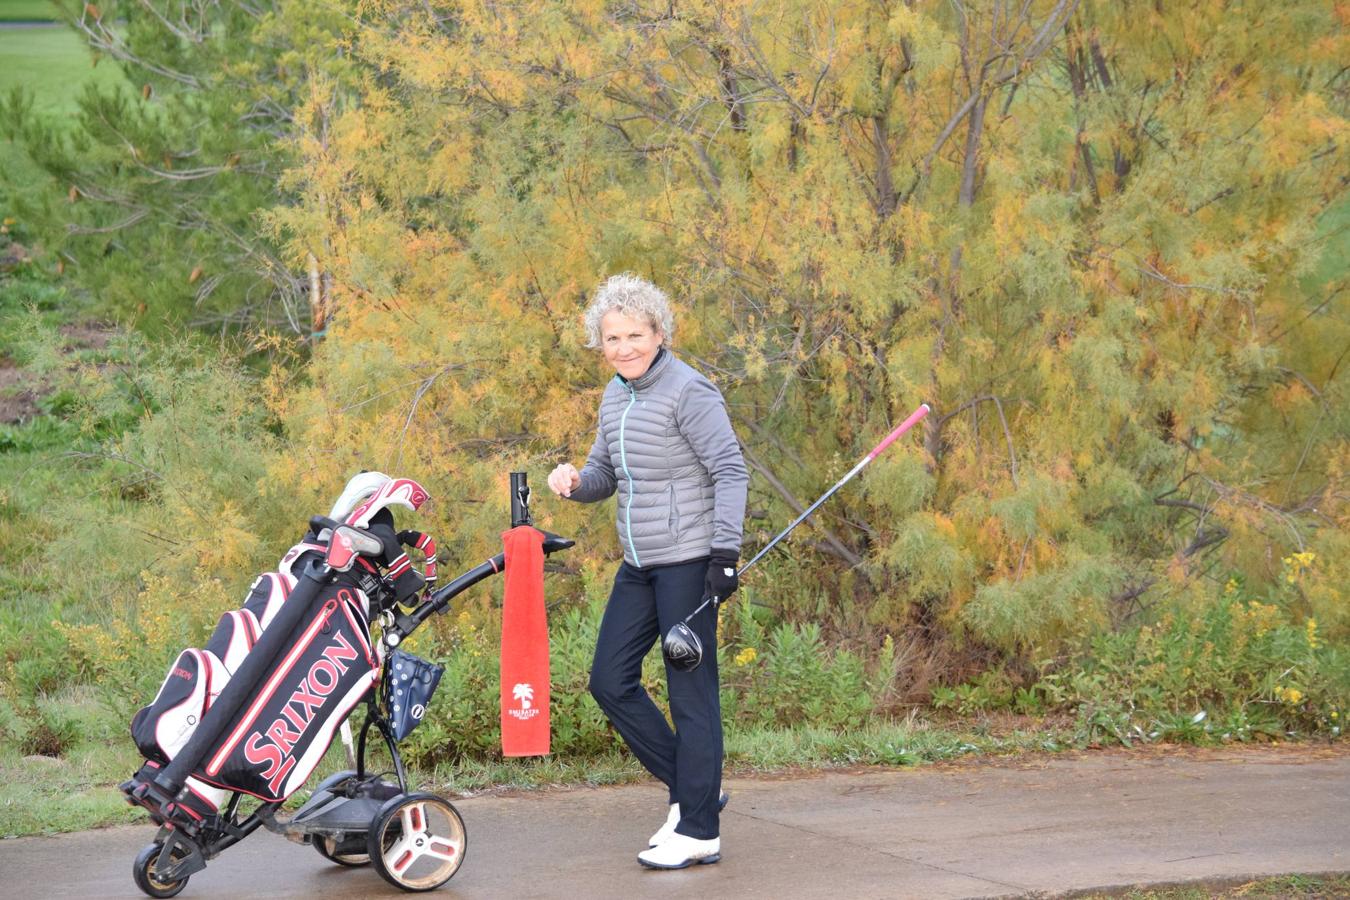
x=831 y=540
x=1007 y=433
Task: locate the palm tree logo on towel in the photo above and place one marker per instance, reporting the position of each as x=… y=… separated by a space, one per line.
x=524 y=693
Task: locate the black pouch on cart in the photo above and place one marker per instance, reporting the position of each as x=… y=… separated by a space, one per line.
x=409 y=682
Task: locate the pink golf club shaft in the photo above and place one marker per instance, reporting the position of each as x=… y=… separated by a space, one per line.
x=912 y=420
x=876 y=451
x=681 y=645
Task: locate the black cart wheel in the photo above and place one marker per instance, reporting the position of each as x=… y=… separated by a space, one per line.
x=327 y=848
x=143 y=871
x=417 y=841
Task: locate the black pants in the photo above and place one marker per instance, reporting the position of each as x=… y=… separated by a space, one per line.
x=644 y=604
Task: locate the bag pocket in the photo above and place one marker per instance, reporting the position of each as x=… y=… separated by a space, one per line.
x=161 y=729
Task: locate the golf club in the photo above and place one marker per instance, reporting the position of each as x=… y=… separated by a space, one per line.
x=681 y=646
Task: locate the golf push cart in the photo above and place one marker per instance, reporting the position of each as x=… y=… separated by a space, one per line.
x=252 y=713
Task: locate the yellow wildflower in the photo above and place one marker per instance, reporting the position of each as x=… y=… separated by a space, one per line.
x=746 y=656
x=1298 y=563
x=1313 y=642
x=1230 y=588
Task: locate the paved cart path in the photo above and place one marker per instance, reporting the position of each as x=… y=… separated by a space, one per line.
x=1043 y=824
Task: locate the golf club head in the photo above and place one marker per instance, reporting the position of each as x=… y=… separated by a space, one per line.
x=682 y=648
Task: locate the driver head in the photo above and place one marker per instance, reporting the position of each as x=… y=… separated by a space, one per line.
x=682 y=648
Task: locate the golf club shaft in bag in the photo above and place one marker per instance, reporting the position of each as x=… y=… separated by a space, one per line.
x=681 y=646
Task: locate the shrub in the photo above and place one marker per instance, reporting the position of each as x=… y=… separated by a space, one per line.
x=774 y=676
x=50 y=729
x=1236 y=669
x=785 y=675
x=464 y=718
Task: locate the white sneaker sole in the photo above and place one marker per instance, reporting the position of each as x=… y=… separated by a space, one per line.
x=701 y=861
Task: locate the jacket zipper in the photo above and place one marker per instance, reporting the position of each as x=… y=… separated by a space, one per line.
x=623 y=461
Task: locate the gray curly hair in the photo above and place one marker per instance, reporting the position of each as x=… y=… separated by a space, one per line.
x=632 y=296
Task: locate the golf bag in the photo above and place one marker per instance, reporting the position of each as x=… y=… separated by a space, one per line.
x=255 y=709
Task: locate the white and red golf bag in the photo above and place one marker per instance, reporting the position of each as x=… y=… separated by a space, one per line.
x=307 y=658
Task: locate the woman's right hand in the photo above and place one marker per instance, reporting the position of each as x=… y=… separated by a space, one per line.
x=564 y=480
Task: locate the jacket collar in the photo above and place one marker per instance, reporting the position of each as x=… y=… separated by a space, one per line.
x=649 y=377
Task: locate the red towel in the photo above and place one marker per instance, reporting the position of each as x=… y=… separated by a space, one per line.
x=525 y=729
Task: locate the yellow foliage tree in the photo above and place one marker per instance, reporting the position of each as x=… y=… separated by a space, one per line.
x=1098 y=238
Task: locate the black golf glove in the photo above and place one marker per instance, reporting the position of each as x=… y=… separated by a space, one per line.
x=721 y=581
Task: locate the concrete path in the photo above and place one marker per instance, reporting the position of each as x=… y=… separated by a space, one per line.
x=1040 y=825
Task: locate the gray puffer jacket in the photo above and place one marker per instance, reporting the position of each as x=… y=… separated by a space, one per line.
x=665 y=442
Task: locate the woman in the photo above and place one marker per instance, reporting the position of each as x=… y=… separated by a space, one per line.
x=665 y=442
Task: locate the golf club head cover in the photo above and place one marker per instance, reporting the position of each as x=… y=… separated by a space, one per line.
x=427 y=546
x=406 y=581
x=721 y=581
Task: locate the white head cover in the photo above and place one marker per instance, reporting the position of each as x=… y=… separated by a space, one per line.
x=401 y=491
x=368 y=493
x=361 y=488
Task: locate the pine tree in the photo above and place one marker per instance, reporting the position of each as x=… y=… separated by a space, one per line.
x=155 y=187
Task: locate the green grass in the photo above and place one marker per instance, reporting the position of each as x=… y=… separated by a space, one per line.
x=907 y=743
x=42 y=796
x=26 y=11
x=53 y=63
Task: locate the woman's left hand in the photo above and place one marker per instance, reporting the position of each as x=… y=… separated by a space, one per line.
x=721 y=581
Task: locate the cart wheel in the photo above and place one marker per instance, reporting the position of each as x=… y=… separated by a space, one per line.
x=327 y=848
x=417 y=841
x=143 y=871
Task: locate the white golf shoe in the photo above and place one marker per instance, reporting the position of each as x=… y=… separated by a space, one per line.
x=665 y=832
x=680 y=851
x=673 y=818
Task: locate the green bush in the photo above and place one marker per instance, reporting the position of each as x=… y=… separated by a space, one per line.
x=42 y=433
x=155 y=504
x=42 y=666
x=1235 y=670
x=464 y=718
x=784 y=675
x=992 y=690
x=774 y=676
x=1225 y=669
x=50 y=729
